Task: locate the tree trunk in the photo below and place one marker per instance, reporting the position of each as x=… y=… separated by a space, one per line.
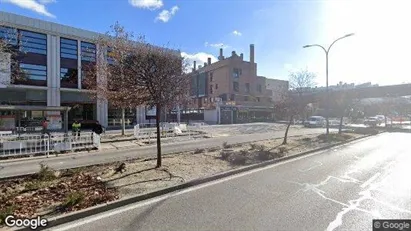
x=385 y=121
x=340 y=127
x=123 y=121
x=286 y=130
x=158 y=116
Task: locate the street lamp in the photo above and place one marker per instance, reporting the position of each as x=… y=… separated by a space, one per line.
x=327 y=51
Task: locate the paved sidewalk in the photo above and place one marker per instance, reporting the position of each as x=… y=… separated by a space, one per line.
x=28 y=166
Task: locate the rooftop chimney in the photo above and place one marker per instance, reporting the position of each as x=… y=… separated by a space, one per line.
x=241 y=56
x=194 y=65
x=251 y=53
x=233 y=53
x=221 y=57
x=209 y=61
x=205 y=64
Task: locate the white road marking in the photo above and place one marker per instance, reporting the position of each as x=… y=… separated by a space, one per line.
x=170 y=195
x=369 y=181
x=312 y=167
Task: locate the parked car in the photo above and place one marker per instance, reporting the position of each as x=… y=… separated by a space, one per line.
x=315 y=121
x=380 y=118
x=372 y=121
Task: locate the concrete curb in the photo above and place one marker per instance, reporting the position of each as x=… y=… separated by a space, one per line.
x=134 y=199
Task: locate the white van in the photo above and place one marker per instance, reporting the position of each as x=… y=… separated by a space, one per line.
x=315 y=122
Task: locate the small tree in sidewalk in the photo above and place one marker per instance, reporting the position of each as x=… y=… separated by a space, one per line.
x=111 y=77
x=160 y=73
x=346 y=103
x=287 y=107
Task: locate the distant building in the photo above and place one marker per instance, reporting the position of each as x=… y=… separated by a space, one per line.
x=277 y=87
x=232 y=83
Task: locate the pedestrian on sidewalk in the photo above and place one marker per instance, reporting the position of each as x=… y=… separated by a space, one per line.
x=75 y=128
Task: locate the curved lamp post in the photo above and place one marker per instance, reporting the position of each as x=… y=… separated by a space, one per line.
x=327 y=51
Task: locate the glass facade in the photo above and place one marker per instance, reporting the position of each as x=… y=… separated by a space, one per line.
x=88 y=52
x=31 y=42
x=68 y=49
x=29 y=66
x=68 y=63
x=9 y=35
x=88 y=59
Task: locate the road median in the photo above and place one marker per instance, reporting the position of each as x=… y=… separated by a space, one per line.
x=137 y=180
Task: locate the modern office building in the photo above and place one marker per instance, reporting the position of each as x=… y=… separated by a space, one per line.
x=53 y=58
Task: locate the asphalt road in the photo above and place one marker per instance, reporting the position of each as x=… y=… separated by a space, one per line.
x=21 y=167
x=340 y=189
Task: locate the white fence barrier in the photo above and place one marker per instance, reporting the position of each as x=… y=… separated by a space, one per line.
x=23 y=145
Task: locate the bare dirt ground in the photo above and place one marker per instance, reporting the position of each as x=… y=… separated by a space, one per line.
x=50 y=192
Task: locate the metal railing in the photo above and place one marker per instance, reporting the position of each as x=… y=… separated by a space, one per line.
x=33 y=144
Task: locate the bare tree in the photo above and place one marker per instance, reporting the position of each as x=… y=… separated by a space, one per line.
x=299 y=82
x=159 y=73
x=110 y=78
x=293 y=104
x=10 y=53
x=345 y=103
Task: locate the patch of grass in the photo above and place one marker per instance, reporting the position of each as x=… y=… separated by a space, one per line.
x=238 y=159
x=264 y=155
x=5 y=212
x=73 y=199
x=33 y=185
x=45 y=173
x=226 y=145
x=334 y=137
x=225 y=154
x=258 y=147
x=213 y=149
x=306 y=139
x=365 y=131
x=199 y=150
x=282 y=150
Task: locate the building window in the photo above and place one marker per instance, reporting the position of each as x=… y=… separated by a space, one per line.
x=258 y=99
x=247 y=87
x=259 y=88
x=236 y=72
x=32 y=74
x=88 y=52
x=110 y=58
x=236 y=86
x=32 y=42
x=211 y=76
x=211 y=89
x=68 y=77
x=68 y=48
x=9 y=35
x=216 y=86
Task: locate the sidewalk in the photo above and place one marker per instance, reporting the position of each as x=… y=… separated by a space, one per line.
x=64 y=161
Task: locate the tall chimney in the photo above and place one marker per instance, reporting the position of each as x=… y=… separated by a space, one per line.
x=221 y=57
x=209 y=61
x=242 y=56
x=251 y=53
x=194 y=65
x=205 y=64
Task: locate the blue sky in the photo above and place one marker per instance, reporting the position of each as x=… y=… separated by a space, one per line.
x=379 y=51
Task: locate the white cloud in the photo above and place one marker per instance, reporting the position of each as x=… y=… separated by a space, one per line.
x=216 y=45
x=237 y=33
x=147 y=4
x=33 y=5
x=47 y=1
x=200 y=58
x=166 y=15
